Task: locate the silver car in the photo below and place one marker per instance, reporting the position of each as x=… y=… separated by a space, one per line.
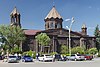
x=76 y=57
x=12 y=59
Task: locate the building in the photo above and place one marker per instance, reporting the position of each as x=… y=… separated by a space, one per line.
x=54 y=29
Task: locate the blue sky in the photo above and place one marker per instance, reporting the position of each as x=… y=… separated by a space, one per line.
x=33 y=12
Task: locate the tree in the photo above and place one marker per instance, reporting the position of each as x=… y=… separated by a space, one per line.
x=11 y=35
x=43 y=39
x=64 y=49
x=97 y=35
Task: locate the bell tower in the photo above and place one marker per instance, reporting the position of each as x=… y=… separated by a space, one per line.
x=15 y=18
x=84 y=29
x=53 y=20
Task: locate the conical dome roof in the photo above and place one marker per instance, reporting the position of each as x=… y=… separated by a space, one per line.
x=53 y=14
x=15 y=11
x=83 y=26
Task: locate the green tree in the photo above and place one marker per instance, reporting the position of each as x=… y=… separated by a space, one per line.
x=43 y=39
x=16 y=49
x=97 y=35
x=64 y=49
x=11 y=35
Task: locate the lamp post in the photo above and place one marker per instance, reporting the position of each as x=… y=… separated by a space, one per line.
x=69 y=28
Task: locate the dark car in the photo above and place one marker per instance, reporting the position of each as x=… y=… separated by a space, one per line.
x=27 y=59
x=58 y=57
x=18 y=57
x=1 y=58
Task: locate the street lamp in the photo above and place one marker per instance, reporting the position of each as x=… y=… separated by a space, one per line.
x=69 y=28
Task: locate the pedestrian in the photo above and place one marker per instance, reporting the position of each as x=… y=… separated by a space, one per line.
x=37 y=55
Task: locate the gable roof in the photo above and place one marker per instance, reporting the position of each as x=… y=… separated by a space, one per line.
x=53 y=14
x=51 y=31
x=31 y=32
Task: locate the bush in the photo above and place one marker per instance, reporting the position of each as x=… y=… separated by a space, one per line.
x=92 y=51
x=0 y=52
x=24 y=53
x=30 y=53
x=64 y=49
x=16 y=49
x=41 y=53
x=99 y=55
x=77 y=49
x=34 y=54
x=53 y=53
x=67 y=54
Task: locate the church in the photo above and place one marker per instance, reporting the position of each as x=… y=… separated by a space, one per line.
x=54 y=29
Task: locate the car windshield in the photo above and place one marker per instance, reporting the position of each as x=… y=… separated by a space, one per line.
x=47 y=55
x=26 y=56
x=12 y=56
x=72 y=55
x=42 y=56
x=78 y=55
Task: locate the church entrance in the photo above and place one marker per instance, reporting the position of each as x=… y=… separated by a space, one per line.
x=46 y=49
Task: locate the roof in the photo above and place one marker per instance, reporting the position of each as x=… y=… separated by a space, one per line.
x=83 y=26
x=31 y=32
x=53 y=14
x=15 y=11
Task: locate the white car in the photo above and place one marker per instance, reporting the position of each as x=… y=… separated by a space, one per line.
x=12 y=59
x=46 y=57
x=76 y=57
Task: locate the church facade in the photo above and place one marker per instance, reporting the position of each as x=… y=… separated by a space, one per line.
x=54 y=29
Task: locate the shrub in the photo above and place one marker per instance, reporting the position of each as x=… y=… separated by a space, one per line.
x=53 y=53
x=30 y=53
x=64 y=49
x=24 y=53
x=0 y=52
x=34 y=54
x=67 y=54
x=77 y=49
x=92 y=51
x=16 y=49
x=40 y=53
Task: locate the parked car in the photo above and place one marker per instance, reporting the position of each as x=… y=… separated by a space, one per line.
x=12 y=59
x=27 y=59
x=46 y=57
x=59 y=57
x=88 y=57
x=76 y=57
x=1 y=58
x=18 y=57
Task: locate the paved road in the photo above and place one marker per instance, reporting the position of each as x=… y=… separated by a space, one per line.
x=93 y=63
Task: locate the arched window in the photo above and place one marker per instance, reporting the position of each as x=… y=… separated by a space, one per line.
x=58 y=25
x=52 y=25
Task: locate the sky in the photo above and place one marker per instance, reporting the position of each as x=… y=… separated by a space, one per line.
x=33 y=13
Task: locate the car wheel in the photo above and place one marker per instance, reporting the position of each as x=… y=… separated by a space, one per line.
x=85 y=58
x=75 y=59
x=23 y=60
x=43 y=60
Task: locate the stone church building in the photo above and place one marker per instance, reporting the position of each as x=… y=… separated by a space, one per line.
x=54 y=29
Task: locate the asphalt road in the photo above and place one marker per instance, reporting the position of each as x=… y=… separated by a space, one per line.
x=93 y=63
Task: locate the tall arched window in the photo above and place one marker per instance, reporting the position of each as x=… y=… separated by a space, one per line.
x=52 y=25
x=58 y=25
